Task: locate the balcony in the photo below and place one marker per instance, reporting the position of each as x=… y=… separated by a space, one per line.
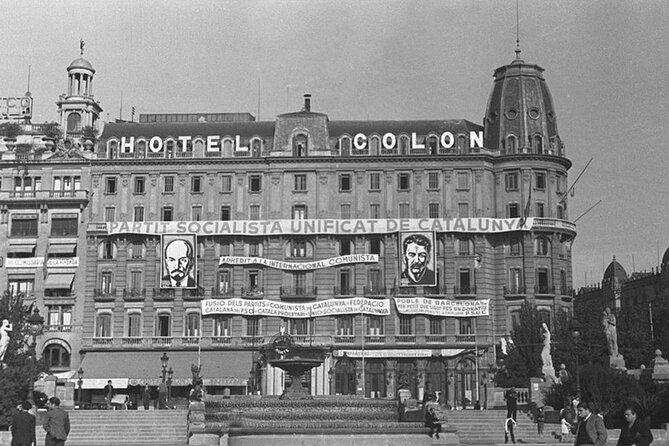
x=190 y=340
x=46 y=196
x=132 y=341
x=467 y=290
x=375 y=339
x=195 y=294
x=544 y=289
x=221 y=340
x=134 y=293
x=405 y=339
x=514 y=290
x=253 y=292
x=104 y=294
x=344 y=291
x=435 y=339
x=344 y=339
x=224 y=292
x=252 y=340
x=163 y=294
x=376 y=291
x=436 y=291
x=298 y=292
x=58 y=328
x=465 y=339
x=161 y=340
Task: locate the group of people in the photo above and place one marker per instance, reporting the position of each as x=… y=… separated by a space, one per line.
x=56 y=425
x=160 y=402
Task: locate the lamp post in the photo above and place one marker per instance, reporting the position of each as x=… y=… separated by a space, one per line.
x=163 y=361
x=80 y=381
x=35 y=325
x=330 y=376
x=170 y=373
x=576 y=334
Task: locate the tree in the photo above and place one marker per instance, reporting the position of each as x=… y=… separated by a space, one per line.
x=52 y=130
x=634 y=336
x=89 y=132
x=10 y=130
x=21 y=367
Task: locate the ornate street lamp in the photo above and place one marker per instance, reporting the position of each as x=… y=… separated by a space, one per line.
x=80 y=381
x=36 y=326
x=163 y=361
x=576 y=334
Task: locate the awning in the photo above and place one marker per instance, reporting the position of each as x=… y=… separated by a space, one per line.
x=22 y=249
x=64 y=248
x=221 y=368
x=59 y=281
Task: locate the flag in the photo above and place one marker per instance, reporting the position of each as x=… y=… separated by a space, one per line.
x=526 y=213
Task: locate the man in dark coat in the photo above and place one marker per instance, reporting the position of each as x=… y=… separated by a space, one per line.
x=511 y=397
x=57 y=424
x=590 y=428
x=109 y=393
x=23 y=426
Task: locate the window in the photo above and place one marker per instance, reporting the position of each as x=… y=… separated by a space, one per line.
x=107 y=250
x=375 y=281
x=110 y=185
x=196 y=184
x=433 y=210
x=192 y=328
x=196 y=213
x=540 y=210
x=375 y=181
x=299 y=212
x=465 y=325
x=542 y=281
x=515 y=319
x=513 y=210
x=436 y=327
x=106 y=282
x=463 y=181
x=345 y=182
x=24 y=225
x=404 y=210
x=56 y=356
x=345 y=247
x=225 y=213
x=563 y=282
x=542 y=246
x=167 y=213
x=515 y=247
x=252 y=326
x=136 y=250
x=136 y=283
x=403 y=182
x=516 y=280
x=163 y=324
x=221 y=326
x=344 y=325
x=134 y=324
x=298 y=248
x=433 y=180
x=59 y=317
x=375 y=246
x=226 y=183
x=140 y=185
x=24 y=286
x=27 y=186
x=374 y=210
x=255 y=183
x=224 y=281
x=374 y=326
x=464 y=247
x=103 y=325
x=463 y=210
x=300 y=283
x=298 y=327
x=168 y=184
x=511 y=181
x=254 y=212
x=64 y=226
x=465 y=284
x=406 y=325
x=300 y=145
x=110 y=213
x=345 y=211
x=300 y=182
x=139 y=213
x=560 y=213
x=540 y=180
x=560 y=184
x=345 y=282
x=254 y=249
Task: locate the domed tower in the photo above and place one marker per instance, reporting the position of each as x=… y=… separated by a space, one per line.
x=520 y=117
x=614 y=276
x=78 y=109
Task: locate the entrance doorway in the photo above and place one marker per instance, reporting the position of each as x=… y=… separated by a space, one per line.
x=344 y=376
x=465 y=383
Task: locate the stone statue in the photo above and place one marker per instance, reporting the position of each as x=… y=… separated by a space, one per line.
x=4 y=338
x=546 y=350
x=609 y=326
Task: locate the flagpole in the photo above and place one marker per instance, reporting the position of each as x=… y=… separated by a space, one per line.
x=362 y=326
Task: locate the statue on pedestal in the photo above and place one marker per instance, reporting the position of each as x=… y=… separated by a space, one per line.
x=4 y=339
x=609 y=326
x=547 y=361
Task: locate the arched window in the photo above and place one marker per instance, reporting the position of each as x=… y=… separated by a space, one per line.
x=103 y=324
x=107 y=250
x=141 y=148
x=374 y=145
x=300 y=145
x=169 y=146
x=74 y=122
x=256 y=147
x=192 y=328
x=113 y=148
x=404 y=144
x=228 y=147
x=462 y=144
x=345 y=144
x=433 y=144
x=511 y=144
x=538 y=144
x=56 y=356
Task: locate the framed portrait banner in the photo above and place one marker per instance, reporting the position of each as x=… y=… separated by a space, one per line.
x=179 y=261
x=417 y=259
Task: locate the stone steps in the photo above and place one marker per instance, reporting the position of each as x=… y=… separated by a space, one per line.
x=486 y=427
x=125 y=428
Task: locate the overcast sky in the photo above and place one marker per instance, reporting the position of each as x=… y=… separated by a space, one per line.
x=607 y=66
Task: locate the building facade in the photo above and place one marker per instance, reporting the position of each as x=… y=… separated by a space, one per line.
x=403 y=248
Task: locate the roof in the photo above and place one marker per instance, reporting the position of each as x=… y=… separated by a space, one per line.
x=423 y=127
x=81 y=63
x=615 y=271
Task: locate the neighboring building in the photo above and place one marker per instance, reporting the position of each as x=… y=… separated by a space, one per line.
x=304 y=210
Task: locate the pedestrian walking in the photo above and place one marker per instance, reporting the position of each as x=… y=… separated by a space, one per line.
x=509 y=426
x=540 y=424
x=162 y=396
x=57 y=423
x=511 y=398
x=23 y=426
x=146 y=397
x=565 y=429
x=634 y=432
x=433 y=422
x=109 y=393
x=590 y=428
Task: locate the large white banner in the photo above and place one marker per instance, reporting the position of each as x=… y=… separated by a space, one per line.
x=299 y=266
x=324 y=226
x=442 y=307
x=264 y=307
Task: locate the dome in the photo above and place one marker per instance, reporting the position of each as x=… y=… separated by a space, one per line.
x=665 y=260
x=614 y=274
x=520 y=117
x=81 y=63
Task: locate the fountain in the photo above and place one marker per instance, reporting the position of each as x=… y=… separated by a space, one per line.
x=294 y=360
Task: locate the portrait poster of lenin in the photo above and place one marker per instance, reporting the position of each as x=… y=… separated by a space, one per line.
x=179 y=261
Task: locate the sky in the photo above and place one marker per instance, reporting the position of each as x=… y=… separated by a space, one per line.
x=606 y=63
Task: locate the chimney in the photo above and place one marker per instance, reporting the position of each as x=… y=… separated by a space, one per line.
x=307 y=102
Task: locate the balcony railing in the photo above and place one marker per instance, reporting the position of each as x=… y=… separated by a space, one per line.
x=375 y=339
x=252 y=340
x=221 y=340
x=440 y=339
x=464 y=290
x=465 y=338
x=163 y=293
x=371 y=291
x=161 y=340
x=58 y=328
x=436 y=290
x=134 y=293
x=253 y=292
x=190 y=340
x=104 y=293
x=298 y=292
x=344 y=291
x=225 y=292
x=514 y=290
x=544 y=289
x=344 y=339
x=130 y=341
x=79 y=195
x=405 y=339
